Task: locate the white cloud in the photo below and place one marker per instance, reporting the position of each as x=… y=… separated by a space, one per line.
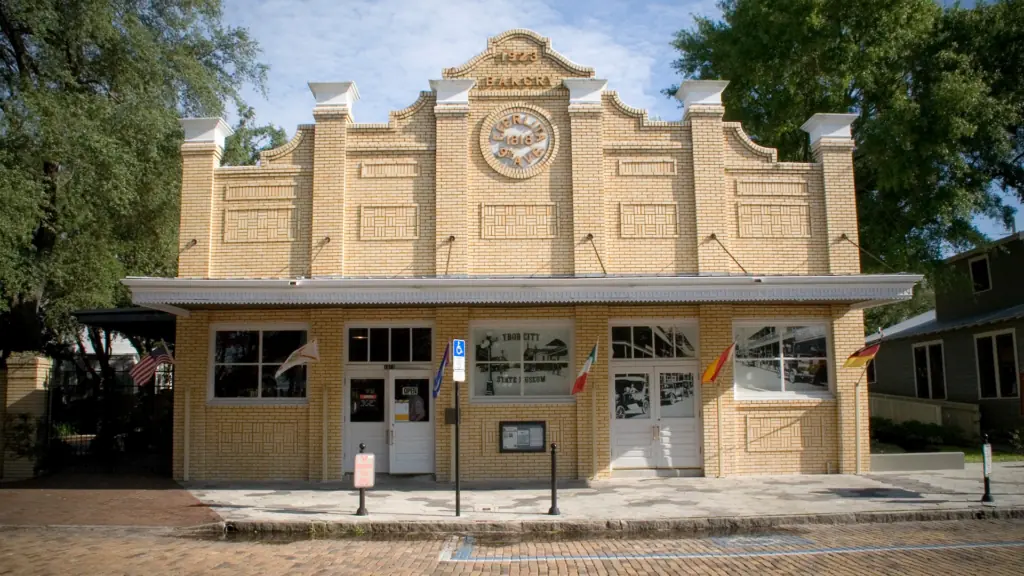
x=391 y=48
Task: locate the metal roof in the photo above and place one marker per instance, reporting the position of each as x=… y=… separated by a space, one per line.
x=934 y=326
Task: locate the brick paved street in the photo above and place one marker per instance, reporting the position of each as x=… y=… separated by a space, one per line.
x=974 y=547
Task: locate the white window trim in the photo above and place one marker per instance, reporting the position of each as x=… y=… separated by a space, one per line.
x=988 y=270
x=639 y=362
x=474 y=325
x=251 y=326
x=742 y=395
x=928 y=365
x=348 y=326
x=977 y=363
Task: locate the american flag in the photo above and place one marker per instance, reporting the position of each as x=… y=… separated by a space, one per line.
x=144 y=370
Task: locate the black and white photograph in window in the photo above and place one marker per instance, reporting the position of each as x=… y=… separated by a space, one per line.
x=245 y=362
x=523 y=362
x=781 y=358
x=660 y=341
x=676 y=390
x=632 y=396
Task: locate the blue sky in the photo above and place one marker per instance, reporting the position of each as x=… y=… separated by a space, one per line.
x=391 y=48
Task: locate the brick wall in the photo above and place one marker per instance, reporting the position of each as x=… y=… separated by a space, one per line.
x=24 y=392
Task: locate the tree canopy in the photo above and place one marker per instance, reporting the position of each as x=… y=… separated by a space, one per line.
x=90 y=96
x=940 y=103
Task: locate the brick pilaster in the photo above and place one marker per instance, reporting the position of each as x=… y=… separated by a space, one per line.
x=198 y=162
x=835 y=157
x=847 y=337
x=327 y=238
x=451 y=182
x=593 y=425
x=712 y=210
x=451 y=323
x=717 y=399
x=588 y=216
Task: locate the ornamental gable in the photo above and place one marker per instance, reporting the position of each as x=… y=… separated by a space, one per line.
x=519 y=60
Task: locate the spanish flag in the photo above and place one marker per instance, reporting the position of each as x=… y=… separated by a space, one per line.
x=711 y=374
x=862 y=357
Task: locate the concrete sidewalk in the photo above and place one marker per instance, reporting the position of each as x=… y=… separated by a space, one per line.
x=420 y=505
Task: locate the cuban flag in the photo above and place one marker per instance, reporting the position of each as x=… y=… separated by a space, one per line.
x=439 y=377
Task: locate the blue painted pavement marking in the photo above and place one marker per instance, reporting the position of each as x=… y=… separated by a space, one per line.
x=465 y=552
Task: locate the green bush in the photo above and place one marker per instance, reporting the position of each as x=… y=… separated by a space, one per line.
x=915 y=436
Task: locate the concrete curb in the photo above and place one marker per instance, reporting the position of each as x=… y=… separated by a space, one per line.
x=735 y=524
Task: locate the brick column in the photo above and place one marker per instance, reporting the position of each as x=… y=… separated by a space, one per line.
x=717 y=400
x=451 y=176
x=25 y=393
x=333 y=114
x=703 y=111
x=325 y=394
x=851 y=391
x=586 y=135
x=451 y=323
x=593 y=415
x=200 y=156
x=832 y=146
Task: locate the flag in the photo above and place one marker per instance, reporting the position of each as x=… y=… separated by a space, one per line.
x=144 y=370
x=711 y=374
x=581 y=379
x=440 y=371
x=304 y=355
x=862 y=357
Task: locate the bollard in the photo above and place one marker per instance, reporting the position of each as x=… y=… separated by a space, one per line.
x=986 y=466
x=362 y=491
x=553 y=511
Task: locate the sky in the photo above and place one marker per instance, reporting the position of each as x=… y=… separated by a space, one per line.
x=391 y=48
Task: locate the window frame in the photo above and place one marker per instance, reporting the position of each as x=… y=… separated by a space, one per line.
x=684 y=322
x=520 y=325
x=988 y=271
x=928 y=361
x=349 y=326
x=977 y=362
x=212 y=400
x=743 y=395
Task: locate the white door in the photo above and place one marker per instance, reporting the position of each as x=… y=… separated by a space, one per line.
x=655 y=418
x=633 y=427
x=366 y=420
x=678 y=424
x=412 y=422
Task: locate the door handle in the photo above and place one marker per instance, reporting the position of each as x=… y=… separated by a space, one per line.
x=656 y=432
x=388 y=436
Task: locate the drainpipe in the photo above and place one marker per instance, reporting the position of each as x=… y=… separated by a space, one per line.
x=188 y=430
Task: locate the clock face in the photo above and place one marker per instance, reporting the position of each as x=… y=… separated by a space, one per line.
x=518 y=141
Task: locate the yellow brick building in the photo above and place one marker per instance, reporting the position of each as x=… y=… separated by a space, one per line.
x=523 y=207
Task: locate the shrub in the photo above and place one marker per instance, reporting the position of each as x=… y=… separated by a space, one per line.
x=915 y=436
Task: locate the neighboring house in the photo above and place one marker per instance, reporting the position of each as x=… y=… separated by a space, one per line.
x=969 y=348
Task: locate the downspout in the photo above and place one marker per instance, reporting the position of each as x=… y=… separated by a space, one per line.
x=188 y=430
x=323 y=441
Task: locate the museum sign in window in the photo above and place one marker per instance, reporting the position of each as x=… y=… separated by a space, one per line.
x=521 y=361
x=774 y=360
x=244 y=363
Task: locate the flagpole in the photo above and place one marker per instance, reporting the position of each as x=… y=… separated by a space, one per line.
x=856 y=417
x=718 y=409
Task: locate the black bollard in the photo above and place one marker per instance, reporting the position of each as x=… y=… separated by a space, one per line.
x=362 y=491
x=986 y=466
x=553 y=511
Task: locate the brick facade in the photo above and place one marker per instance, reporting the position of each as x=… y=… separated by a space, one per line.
x=423 y=196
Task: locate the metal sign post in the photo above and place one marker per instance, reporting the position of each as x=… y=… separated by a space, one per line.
x=986 y=463
x=459 y=371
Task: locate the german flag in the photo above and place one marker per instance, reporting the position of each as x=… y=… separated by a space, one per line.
x=711 y=374
x=862 y=357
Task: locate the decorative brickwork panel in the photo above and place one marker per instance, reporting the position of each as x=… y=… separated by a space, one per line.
x=388 y=169
x=263 y=438
x=783 y=433
x=269 y=192
x=771 y=188
x=650 y=167
x=518 y=221
x=389 y=222
x=649 y=220
x=774 y=221
x=259 y=225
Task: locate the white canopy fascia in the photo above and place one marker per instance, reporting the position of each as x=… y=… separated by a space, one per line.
x=862 y=291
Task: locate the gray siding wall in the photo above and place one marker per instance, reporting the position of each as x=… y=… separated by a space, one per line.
x=957 y=299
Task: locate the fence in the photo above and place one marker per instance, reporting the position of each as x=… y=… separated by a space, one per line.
x=967 y=417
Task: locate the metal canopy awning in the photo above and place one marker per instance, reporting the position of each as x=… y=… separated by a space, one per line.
x=138 y=322
x=177 y=295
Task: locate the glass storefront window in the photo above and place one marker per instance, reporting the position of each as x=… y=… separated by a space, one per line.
x=244 y=363
x=781 y=358
x=521 y=361
x=661 y=341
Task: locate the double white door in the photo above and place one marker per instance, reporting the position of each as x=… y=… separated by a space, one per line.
x=656 y=417
x=392 y=413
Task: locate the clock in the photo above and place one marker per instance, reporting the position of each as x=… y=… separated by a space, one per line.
x=518 y=140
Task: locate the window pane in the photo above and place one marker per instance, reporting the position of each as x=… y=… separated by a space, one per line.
x=278 y=344
x=684 y=338
x=806 y=376
x=421 y=345
x=546 y=345
x=236 y=347
x=1007 y=365
x=291 y=384
x=235 y=381
x=494 y=345
x=663 y=342
x=757 y=342
x=546 y=379
x=358 y=345
x=497 y=379
x=643 y=342
x=632 y=396
x=759 y=375
x=367 y=398
x=938 y=371
x=412 y=395
x=804 y=342
x=379 y=345
x=986 y=367
x=622 y=342
x=979 y=275
x=401 y=344
x=921 y=371
x=676 y=391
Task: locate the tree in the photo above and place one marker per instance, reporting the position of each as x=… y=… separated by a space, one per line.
x=244 y=146
x=939 y=94
x=90 y=96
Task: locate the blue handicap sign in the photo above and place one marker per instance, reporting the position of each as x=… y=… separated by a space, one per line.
x=459 y=348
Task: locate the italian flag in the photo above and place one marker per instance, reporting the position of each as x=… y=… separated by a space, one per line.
x=581 y=380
